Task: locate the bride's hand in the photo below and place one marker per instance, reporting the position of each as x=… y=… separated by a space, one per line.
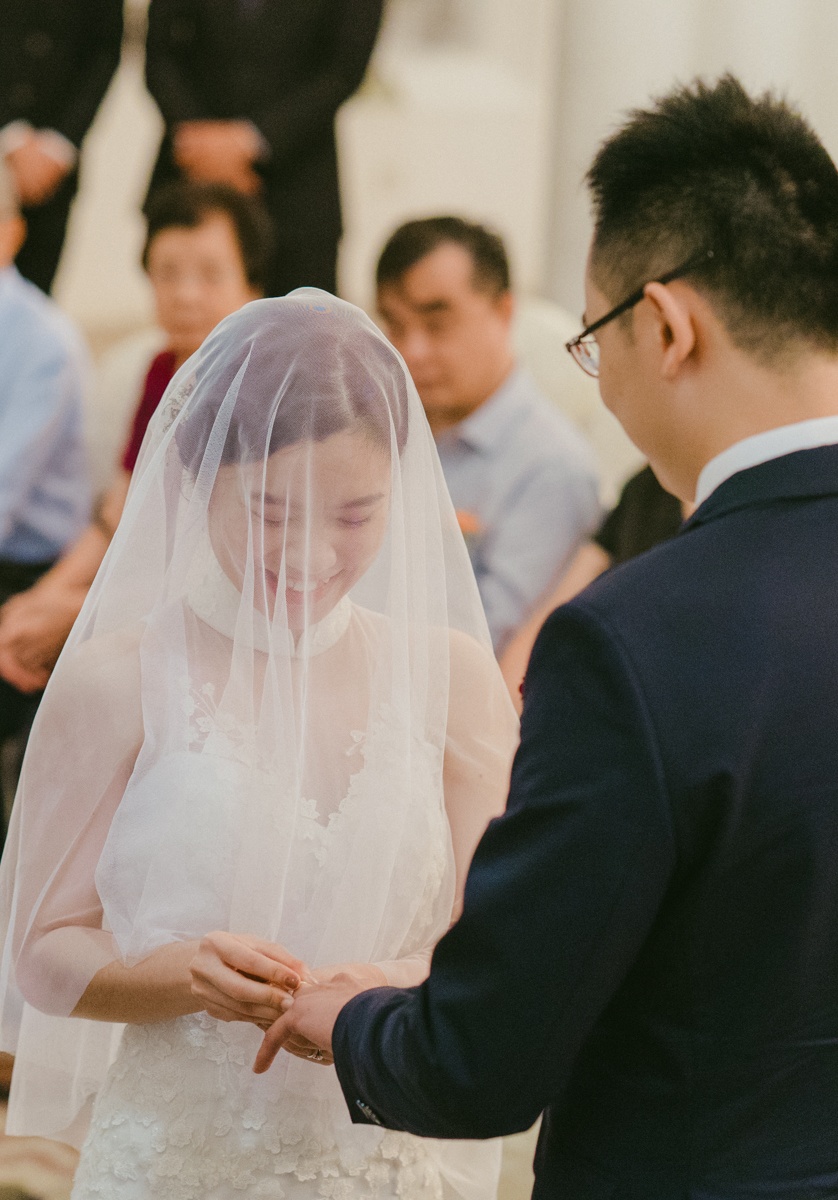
x=243 y=978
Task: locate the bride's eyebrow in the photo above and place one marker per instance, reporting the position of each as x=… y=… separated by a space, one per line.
x=364 y=501
x=279 y=501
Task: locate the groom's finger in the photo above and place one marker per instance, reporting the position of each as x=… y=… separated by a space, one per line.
x=273 y=1041
x=302 y=1048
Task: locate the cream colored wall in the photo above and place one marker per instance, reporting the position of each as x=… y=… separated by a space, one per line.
x=612 y=56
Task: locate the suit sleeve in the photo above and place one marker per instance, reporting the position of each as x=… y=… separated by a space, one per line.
x=561 y=894
x=308 y=112
x=95 y=68
x=170 y=23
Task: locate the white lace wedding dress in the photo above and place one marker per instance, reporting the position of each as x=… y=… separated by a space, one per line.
x=181 y=1115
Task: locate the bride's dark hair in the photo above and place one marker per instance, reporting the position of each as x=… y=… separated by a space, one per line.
x=301 y=371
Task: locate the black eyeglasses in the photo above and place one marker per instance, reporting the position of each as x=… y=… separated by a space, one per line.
x=584 y=348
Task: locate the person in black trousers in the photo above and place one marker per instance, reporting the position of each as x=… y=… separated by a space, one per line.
x=648 y=949
x=57 y=58
x=248 y=90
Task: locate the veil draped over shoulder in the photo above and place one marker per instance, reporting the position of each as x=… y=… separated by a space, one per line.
x=277 y=705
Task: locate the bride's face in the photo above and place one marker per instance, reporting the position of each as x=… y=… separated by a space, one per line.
x=317 y=512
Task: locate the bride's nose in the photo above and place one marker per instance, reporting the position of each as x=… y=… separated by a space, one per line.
x=310 y=555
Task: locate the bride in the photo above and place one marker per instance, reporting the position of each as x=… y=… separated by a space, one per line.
x=277 y=723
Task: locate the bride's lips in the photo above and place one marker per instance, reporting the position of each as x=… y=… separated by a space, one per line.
x=297 y=597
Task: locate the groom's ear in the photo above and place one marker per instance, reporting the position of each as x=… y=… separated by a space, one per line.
x=673 y=325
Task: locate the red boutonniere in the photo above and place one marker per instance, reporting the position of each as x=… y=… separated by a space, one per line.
x=471 y=527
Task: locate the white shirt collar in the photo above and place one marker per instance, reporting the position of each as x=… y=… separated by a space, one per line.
x=761 y=448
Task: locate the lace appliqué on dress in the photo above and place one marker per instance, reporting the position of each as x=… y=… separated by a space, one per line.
x=181 y=1117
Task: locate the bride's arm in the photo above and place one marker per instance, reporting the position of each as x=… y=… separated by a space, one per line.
x=156 y=989
x=241 y=979
x=481 y=739
x=85 y=745
x=81 y=754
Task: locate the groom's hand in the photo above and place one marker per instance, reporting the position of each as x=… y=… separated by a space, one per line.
x=242 y=978
x=306 y=1026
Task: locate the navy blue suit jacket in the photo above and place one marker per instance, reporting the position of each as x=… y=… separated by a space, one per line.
x=649 y=945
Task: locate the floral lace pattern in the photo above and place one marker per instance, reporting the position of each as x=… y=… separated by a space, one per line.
x=181 y=1114
x=182 y=1117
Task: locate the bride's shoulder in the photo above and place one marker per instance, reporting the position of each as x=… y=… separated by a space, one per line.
x=103 y=669
x=469 y=659
x=480 y=711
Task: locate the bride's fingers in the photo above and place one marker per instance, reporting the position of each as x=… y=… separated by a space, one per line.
x=243 y=1009
x=219 y=951
x=221 y=1012
x=239 y=974
x=279 y=954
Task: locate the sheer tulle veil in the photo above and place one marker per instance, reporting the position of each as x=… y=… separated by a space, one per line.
x=280 y=666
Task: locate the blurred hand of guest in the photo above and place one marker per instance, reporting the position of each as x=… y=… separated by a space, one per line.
x=220 y=152
x=37 y=173
x=33 y=628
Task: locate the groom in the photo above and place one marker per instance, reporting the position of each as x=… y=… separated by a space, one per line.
x=648 y=950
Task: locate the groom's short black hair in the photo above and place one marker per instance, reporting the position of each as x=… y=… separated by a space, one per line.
x=709 y=168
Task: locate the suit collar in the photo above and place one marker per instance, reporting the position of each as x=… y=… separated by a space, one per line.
x=801 y=475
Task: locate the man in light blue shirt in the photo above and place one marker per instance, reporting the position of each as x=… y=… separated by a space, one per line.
x=44 y=487
x=522 y=478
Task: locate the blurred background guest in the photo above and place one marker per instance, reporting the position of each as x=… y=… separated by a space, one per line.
x=248 y=90
x=522 y=478
x=56 y=61
x=645 y=515
x=206 y=254
x=44 y=489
